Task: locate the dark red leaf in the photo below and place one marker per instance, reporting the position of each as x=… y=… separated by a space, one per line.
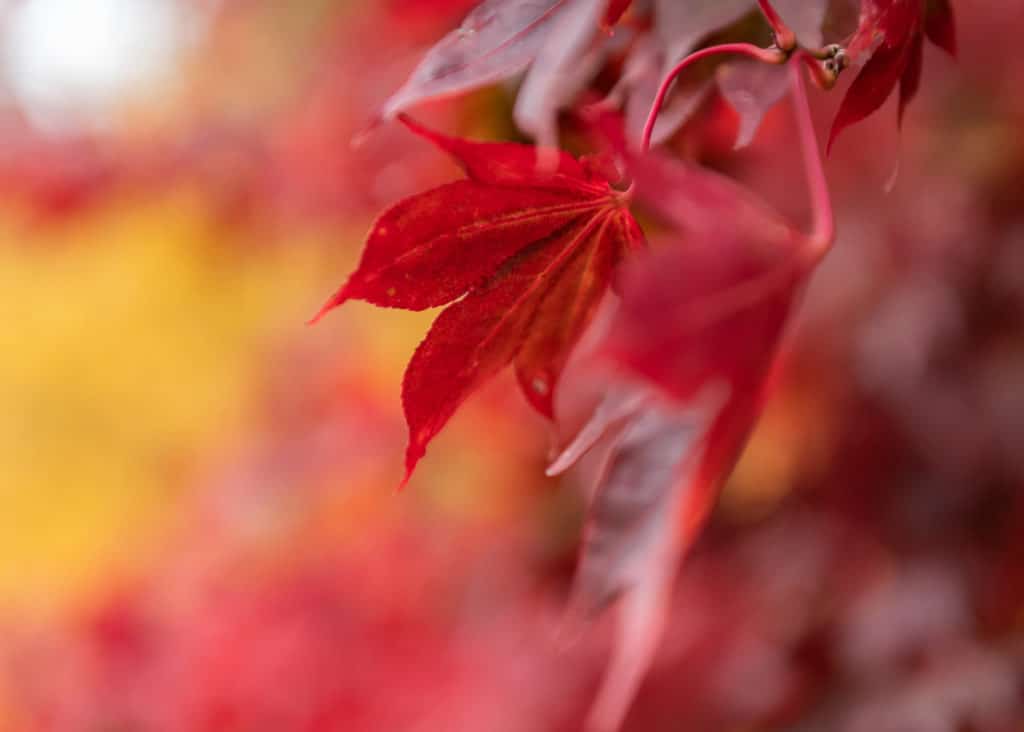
x=939 y=25
x=890 y=35
x=911 y=79
x=887 y=31
x=532 y=253
x=479 y=335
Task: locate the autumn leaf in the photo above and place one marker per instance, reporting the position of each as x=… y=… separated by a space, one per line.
x=563 y=68
x=679 y=27
x=751 y=88
x=498 y=39
x=699 y=328
x=890 y=35
x=712 y=306
x=530 y=253
x=659 y=481
x=560 y=41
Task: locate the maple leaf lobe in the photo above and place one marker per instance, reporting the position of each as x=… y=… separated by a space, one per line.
x=520 y=255
x=890 y=33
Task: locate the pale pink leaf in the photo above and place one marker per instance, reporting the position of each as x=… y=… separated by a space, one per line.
x=679 y=25
x=643 y=614
x=805 y=18
x=633 y=542
x=751 y=89
x=498 y=39
x=628 y=524
x=564 y=65
x=617 y=406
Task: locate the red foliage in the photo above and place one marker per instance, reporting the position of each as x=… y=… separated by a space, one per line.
x=532 y=251
x=891 y=35
x=520 y=253
x=700 y=320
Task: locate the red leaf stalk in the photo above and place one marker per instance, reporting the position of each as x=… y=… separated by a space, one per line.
x=823 y=232
x=784 y=36
x=765 y=55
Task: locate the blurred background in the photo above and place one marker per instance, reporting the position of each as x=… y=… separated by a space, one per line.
x=199 y=528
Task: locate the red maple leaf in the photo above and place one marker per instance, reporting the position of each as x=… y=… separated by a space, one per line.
x=890 y=34
x=529 y=252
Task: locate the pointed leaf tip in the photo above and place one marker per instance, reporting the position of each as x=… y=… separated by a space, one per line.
x=510 y=163
x=940 y=26
x=335 y=300
x=890 y=34
x=414 y=452
x=617 y=406
x=363 y=133
x=496 y=40
x=833 y=133
x=400 y=488
x=414 y=126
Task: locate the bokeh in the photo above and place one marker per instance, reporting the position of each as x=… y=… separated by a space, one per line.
x=199 y=522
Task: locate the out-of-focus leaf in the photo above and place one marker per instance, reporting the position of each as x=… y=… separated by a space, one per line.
x=562 y=39
x=498 y=39
x=679 y=25
x=700 y=320
x=563 y=67
x=752 y=89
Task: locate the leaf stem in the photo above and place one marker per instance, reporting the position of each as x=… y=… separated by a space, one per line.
x=765 y=55
x=784 y=36
x=824 y=231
